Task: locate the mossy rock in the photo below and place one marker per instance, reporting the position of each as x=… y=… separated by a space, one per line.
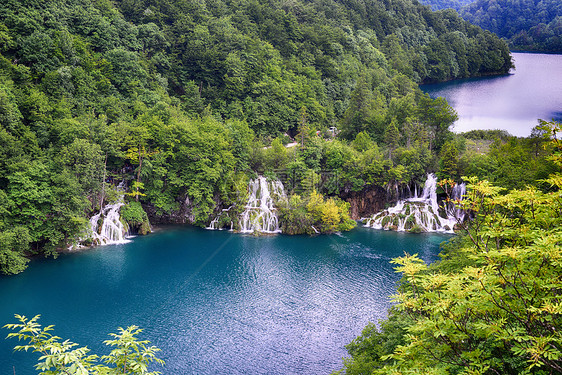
x=410 y=222
x=415 y=229
x=145 y=228
x=385 y=221
x=134 y=217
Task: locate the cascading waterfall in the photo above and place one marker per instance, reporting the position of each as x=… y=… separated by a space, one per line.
x=420 y=214
x=457 y=194
x=260 y=214
x=110 y=230
x=216 y=222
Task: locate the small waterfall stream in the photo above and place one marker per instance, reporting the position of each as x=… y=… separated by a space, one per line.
x=260 y=214
x=106 y=225
x=111 y=230
x=421 y=213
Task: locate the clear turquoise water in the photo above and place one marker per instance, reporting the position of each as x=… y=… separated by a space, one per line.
x=512 y=102
x=217 y=302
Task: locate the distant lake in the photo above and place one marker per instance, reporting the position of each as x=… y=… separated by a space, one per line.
x=217 y=302
x=512 y=102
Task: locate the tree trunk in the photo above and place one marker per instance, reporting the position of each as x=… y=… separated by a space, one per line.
x=102 y=196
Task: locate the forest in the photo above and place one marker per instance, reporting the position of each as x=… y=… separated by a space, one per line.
x=526 y=25
x=181 y=100
x=531 y=25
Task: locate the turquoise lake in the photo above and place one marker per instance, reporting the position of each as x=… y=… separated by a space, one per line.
x=511 y=102
x=217 y=302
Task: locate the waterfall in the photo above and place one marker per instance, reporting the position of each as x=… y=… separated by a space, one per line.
x=459 y=191
x=420 y=214
x=111 y=230
x=216 y=224
x=260 y=214
x=106 y=226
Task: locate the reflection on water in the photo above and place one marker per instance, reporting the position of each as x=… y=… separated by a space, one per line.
x=513 y=102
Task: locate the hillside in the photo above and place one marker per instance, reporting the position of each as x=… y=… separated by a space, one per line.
x=444 y=4
x=530 y=25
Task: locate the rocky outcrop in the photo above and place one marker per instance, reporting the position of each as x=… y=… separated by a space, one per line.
x=182 y=216
x=365 y=202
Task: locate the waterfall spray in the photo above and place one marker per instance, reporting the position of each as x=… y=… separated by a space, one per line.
x=260 y=214
x=106 y=226
x=420 y=214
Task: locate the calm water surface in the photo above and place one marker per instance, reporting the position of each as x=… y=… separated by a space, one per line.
x=512 y=102
x=217 y=302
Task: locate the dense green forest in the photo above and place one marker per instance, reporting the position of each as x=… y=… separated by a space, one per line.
x=180 y=100
x=492 y=304
x=444 y=4
x=531 y=25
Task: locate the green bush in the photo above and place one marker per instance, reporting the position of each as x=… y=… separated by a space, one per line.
x=135 y=216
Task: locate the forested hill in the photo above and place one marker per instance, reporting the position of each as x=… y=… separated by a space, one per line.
x=530 y=25
x=178 y=100
x=444 y=4
x=232 y=54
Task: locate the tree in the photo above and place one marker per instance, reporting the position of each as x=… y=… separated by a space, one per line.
x=361 y=109
x=129 y=356
x=14 y=244
x=448 y=164
x=438 y=116
x=391 y=137
x=85 y=161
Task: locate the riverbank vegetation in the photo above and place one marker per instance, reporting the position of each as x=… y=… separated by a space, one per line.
x=492 y=304
x=177 y=101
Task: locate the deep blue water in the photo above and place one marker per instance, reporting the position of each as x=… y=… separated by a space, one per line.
x=512 y=102
x=217 y=302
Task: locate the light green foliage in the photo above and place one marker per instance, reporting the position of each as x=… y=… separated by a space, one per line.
x=448 y=163
x=362 y=142
x=85 y=160
x=315 y=214
x=504 y=303
x=505 y=160
x=439 y=116
x=294 y=217
x=276 y=156
x=129 y=355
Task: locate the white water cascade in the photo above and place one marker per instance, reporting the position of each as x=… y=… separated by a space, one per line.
x=457 y=194
x=106 y=226
x=420 y=214
x=215 y=224
x=111 y=230
x=260 y=214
